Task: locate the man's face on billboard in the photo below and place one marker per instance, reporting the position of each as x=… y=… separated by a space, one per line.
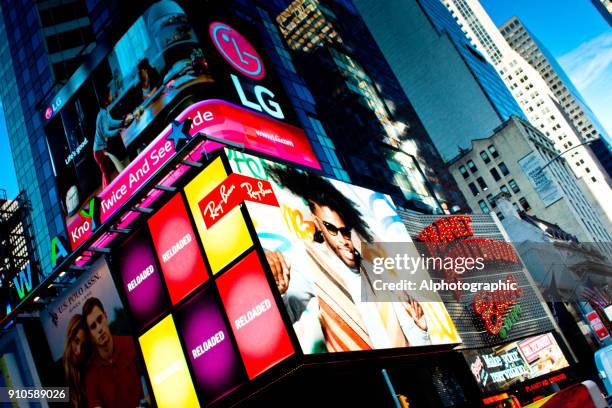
x=97 y=323
x=336 y=233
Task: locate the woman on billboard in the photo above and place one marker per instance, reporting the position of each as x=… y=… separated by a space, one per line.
x=74 y=360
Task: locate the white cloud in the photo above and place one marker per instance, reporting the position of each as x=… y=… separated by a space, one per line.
x=589 y=61
x=590 y=68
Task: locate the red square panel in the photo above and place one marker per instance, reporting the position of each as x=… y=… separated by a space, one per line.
x=254 y=316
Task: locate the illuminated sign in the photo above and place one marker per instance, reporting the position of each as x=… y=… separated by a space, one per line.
x=546 y=382
x=241 y=55
x=501 y=367
x=234 y=190
x=230 y=236
x=491 y=306
x=213 y=117
x=236 y=50
x=177 y=249
x=140 y=278
x=166 y=366
x=23 y=282
x=214 y=361
x=254 y=316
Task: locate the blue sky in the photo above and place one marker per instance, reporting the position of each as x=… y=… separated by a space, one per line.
x=8 y=181
x=579 y=38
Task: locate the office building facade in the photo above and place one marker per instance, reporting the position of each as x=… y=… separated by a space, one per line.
x=537 y=100
x=456 y=93
x=518 y=160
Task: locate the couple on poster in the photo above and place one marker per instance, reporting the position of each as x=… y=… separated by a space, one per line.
x=101 y=369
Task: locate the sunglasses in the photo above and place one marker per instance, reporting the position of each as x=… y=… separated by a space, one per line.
x=333 y=230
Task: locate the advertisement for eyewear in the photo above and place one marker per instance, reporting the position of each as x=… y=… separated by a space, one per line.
x=315 y=254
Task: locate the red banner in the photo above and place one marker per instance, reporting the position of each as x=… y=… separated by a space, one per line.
x=233 y=191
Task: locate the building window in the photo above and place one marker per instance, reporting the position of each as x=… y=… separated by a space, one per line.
x=483 y=206
x=485 y=157
x=482 y=183
x=464 y=172
x=504 y=168
x=473 y=188
x=514 y=186
x=491 y=200
x=493 y=151
x=524 y=204
x=495 y=174
x=472 y=166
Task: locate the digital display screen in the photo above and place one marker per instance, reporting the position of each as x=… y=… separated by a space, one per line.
x=215 y=363
x=140 y=277
x=254 y=316
x=177 y=249
x=166 y=365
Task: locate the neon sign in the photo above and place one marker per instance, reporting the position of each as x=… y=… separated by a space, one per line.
x=492 y=306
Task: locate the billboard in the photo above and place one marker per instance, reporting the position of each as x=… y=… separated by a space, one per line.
x=85 y=327
x=177 y=249
x=501 y=367
x=120 y=105
x=141 y=279
x=316 y=254
x=214 y=361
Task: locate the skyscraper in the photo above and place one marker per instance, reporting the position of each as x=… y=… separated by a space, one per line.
x=537 y=100
x=362 y=105
x=531 y=49
x=605 y=9
x=575 y=108
x=456 y=93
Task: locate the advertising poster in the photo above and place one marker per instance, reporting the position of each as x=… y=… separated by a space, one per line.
x=177 y=249
x=254 y=317
x=167 y=368
x=111 y=109
x=86 y=327
x=228 y=238
x=500 y=367
x=215 y=363
x=141 y=279
x=313 y=242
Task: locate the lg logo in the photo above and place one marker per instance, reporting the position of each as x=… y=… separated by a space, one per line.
x=237 y=50
x=241 y=55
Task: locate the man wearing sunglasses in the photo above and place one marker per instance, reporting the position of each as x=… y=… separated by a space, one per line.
x=337 y=272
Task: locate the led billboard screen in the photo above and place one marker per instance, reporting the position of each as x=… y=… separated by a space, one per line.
x=254 y=317
x=315 y=253
x=141 y=279
x=500 y=367
x=150 y=75
x=167 y=368
x=215 y=363
x=177 y=249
